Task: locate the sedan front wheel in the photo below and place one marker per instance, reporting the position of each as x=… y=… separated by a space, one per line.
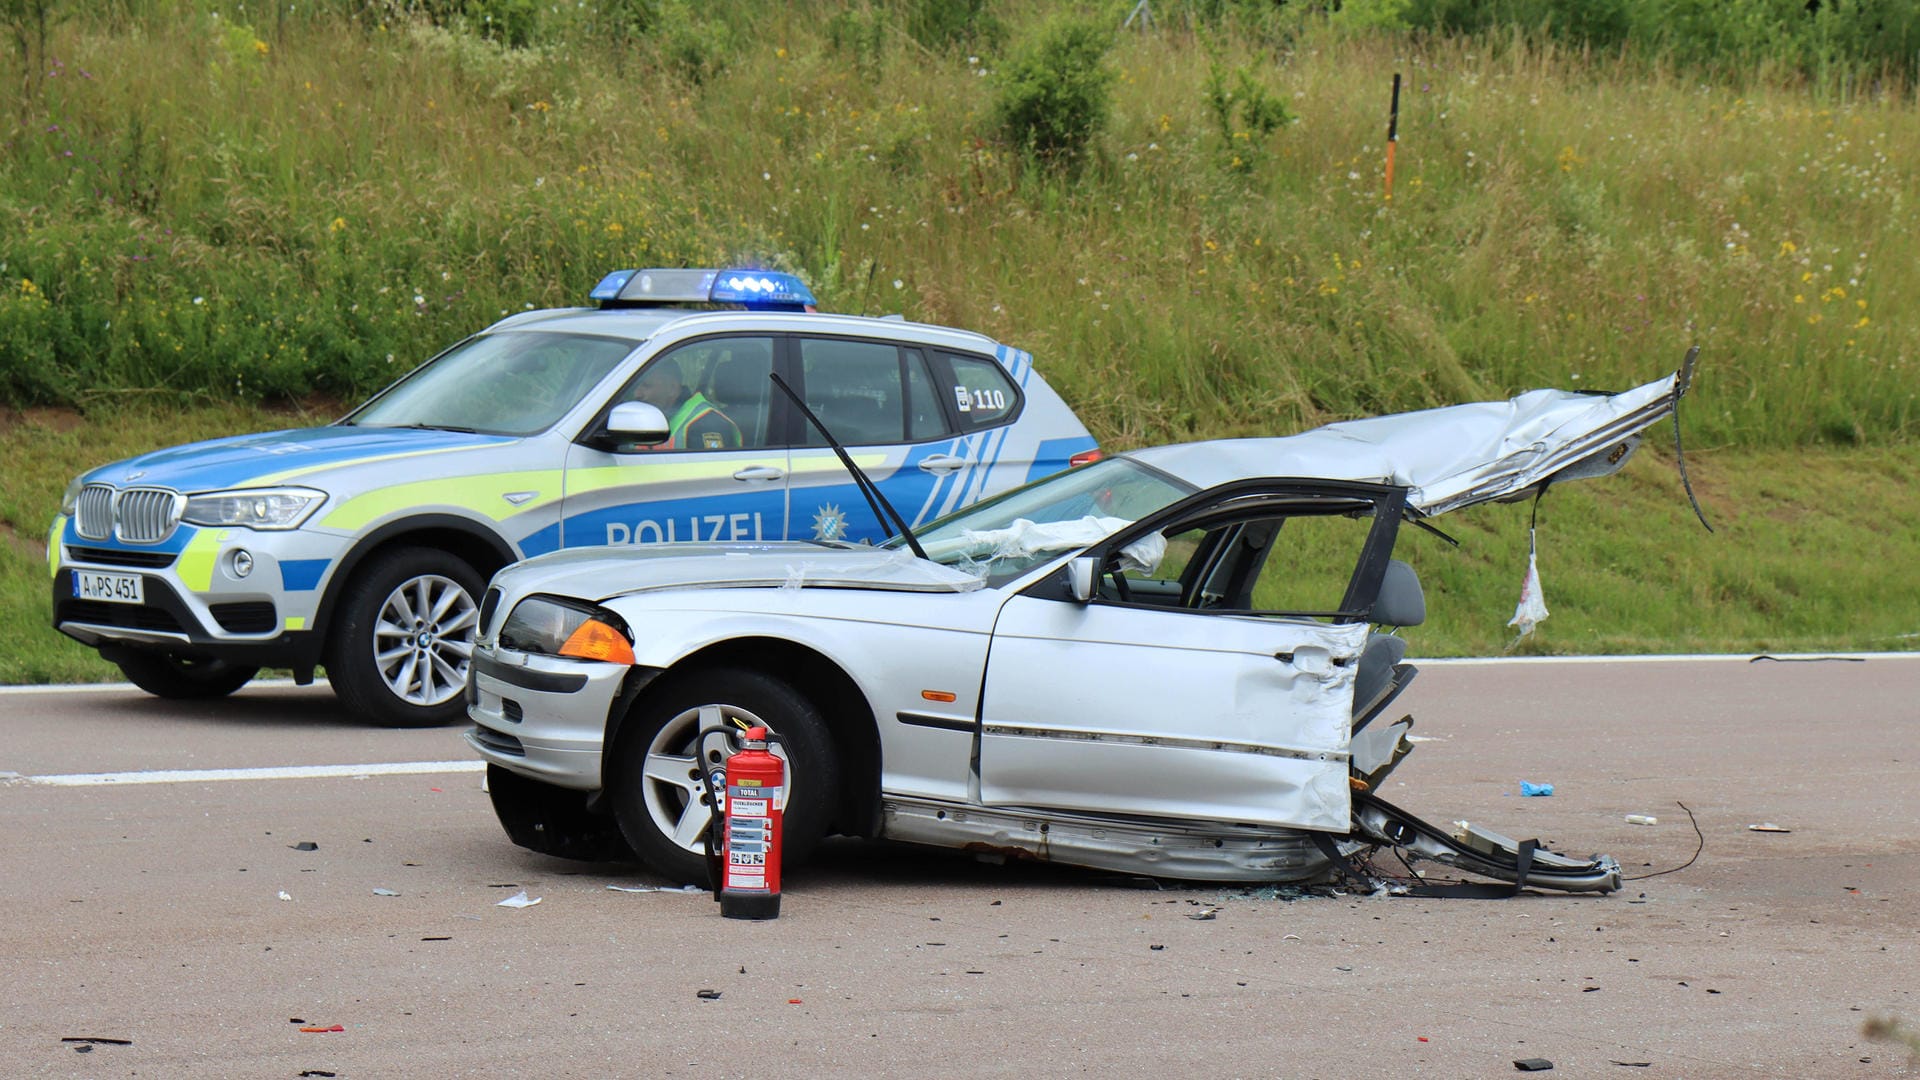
x=655 y=778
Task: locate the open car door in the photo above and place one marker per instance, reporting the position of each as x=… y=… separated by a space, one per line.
x=1212 y=680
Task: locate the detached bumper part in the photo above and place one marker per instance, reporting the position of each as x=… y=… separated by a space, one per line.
x=1482 y=851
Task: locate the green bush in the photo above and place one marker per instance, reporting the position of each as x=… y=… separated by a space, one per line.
x=1056 y=92
x=1245 y=112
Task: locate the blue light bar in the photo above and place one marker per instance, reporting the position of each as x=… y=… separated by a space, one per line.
x=610 y=286
x=760 y=290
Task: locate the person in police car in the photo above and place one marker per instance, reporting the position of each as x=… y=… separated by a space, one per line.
x=693 y=422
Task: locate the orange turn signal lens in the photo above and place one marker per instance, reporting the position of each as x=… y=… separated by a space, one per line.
x=937 y=695
x=595 y=640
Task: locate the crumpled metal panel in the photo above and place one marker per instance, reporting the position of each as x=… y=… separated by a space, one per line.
x=1449 y=457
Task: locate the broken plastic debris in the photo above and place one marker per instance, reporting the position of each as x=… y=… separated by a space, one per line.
x=316 y=1029
x=1642 y=819
x=1531 y=789
x=1532 y=1064
x=305 y=845
x=89 y=1040
x=658 y=888
x=1198 y=916
x=519 y=899
x=707 y=995
x=1766 y=826
x=385 y=892
x=285 y=895
x=1532 y=609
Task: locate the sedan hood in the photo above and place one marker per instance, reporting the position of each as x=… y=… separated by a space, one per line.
x=588 y=572
x=1449 y=457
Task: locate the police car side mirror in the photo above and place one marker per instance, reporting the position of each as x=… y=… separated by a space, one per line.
x=637 y=422
x=1081 y=574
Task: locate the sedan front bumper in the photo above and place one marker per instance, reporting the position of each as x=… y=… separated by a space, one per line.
x=543 y=717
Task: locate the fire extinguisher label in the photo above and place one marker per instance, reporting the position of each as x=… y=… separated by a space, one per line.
x=755 y=808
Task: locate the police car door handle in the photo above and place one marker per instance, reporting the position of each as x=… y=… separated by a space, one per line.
x=942 y=463
x=760 y=472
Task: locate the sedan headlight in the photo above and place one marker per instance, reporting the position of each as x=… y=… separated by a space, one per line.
x=70 y=501
x=555 y=627
x=254 y=508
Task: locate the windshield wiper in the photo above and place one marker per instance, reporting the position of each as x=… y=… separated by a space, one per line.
x=875 y=500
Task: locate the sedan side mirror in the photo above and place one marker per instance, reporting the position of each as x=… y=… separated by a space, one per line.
x=1081 y=574
x=638 y=422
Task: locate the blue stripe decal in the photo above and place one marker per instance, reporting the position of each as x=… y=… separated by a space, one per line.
x=542 y=541
x=1055 y=454
x=302 y=575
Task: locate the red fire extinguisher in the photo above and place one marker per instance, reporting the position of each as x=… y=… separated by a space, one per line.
x=748 y=850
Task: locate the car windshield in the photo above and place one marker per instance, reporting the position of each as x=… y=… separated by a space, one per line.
x=1006 y=536
x=512 y=383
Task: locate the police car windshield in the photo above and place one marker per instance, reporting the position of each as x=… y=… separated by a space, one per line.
x=509 y=383
x=1010 y=534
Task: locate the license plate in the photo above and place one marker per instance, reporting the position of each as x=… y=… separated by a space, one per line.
x=113 y=588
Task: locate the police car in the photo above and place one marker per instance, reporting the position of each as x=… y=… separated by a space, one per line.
x=650 y=417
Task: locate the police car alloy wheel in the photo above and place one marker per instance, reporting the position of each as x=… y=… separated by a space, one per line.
x=654 y=776
x=401 y=647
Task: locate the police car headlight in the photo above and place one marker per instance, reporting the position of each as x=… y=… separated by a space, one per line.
x=70 y=501
x=555 y=627
x=257 y=508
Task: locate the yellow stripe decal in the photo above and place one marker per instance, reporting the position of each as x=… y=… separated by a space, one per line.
x=483 y=495
x=296 y=622
x=195 y=564
x=53 y=544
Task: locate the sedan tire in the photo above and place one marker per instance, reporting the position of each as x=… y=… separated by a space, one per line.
x=654 y=777
x=553 y=820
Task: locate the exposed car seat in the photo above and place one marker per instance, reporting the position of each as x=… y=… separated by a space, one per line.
x=1401 y=603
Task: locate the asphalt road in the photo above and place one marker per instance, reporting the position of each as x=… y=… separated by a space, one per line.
x=174 y=910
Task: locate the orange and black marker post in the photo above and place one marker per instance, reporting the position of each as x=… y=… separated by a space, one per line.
x=1393 y=132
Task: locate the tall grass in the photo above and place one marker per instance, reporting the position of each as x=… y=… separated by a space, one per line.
x=199 y=206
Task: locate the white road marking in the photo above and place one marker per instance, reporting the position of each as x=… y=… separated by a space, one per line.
x=280 y=772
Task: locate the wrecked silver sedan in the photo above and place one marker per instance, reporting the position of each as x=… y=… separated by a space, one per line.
x=1173 y=662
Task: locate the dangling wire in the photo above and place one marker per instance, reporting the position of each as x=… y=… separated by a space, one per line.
x=1680 y=384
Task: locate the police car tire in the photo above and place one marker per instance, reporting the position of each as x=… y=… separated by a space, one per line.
x=184 y=679
x=813 y=763
x=553 y=820
x=351 y=667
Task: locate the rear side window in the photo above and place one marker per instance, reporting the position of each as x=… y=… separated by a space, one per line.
x=982 y=393
x=856 y=390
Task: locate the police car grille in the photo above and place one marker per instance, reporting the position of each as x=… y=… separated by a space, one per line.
x=147 y=515
x=150 y=560
x=131 y=616
x=94 y=516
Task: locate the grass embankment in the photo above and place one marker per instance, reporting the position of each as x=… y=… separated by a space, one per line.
x=199 y=210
